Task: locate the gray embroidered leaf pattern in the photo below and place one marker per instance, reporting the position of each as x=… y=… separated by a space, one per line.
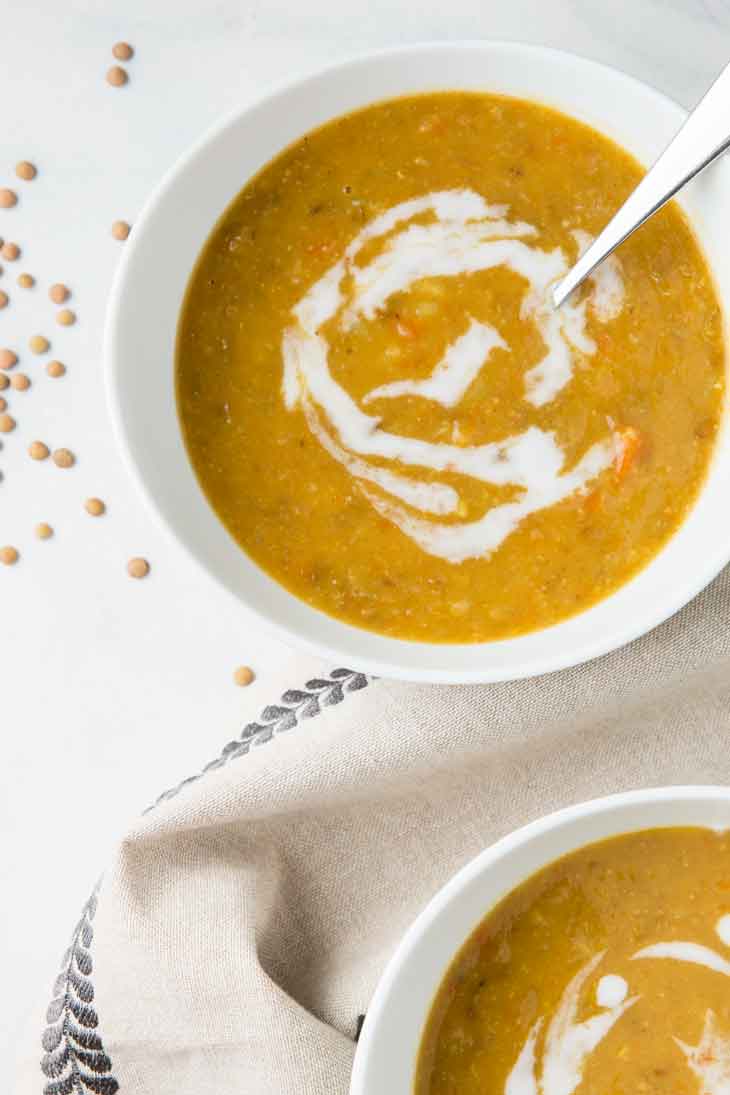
x=295 y=706
x=74 y=1062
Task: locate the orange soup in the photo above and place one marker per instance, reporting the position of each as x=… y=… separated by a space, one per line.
x=385 y=410
x=607 y=972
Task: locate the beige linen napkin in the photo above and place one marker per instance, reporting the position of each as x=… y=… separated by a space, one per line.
x=242 y=925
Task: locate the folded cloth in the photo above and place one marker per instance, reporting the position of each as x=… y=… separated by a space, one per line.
x=239 y=931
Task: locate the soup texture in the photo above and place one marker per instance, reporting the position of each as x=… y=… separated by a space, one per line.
x=385 y=410
x=607 y=972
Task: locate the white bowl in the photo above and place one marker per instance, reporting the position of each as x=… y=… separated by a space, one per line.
x=151 y=281
x=387 y=1051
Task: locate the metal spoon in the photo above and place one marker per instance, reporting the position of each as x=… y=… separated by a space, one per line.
x=703 y=137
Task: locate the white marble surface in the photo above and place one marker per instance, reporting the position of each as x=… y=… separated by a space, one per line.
x=111 y=690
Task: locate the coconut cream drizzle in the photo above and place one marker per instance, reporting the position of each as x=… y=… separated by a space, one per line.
x=695 y=953
x=464 y=235
x=710 y=1058
x=568 y=1044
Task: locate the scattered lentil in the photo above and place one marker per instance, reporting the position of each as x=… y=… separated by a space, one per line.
x=4 y=298
x=8 y=359
x=39 y=344
x=117 y=76
x=7 y=423
x=120 y=230
x=20 y=382
x=63 y=458
x=94 y=506
x=59 y=292
x=55 y=369
x=10 y=251
x=138 y=568
x=43 y=531
x=66 y=317
x=26 y=281
x=9 y=556
x=38 y=450
x=8 y=198
x=4 y=382
x=26 y=170
x=243 y=676
x=3 y=404
x=123 y=51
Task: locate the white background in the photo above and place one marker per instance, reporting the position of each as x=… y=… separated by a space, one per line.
x=112 y=690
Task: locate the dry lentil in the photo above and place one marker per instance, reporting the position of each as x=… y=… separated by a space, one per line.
x=63 y=458
x=94 y=506
x=59 y=292
x=20 y=382
x=138 y=568
x=38 y=450
x=123 y=51
x=39 y=344
x=243 y=676
x=9 y=555
x=8 y=198
x=120 y=230
x=3 y=404
x=43 y=531
x=117 y=76
x=4 y=298
x=66 y=317
x=55 y=369
x=8 y=359
x=26 y=170
x=26 y=281
x=10 y=251
x=4 y=382
x=7 y=423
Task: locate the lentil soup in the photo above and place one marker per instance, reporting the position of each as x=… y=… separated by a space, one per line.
x=386 y=412
x=605 y=972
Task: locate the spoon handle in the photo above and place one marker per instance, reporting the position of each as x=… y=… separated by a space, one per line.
x=704 y=136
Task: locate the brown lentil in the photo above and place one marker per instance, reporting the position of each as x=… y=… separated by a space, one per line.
x=120 y=230
x=38 y=450
x=9 y=556
x=4 y=298
x=59 y=292
x=55 y=369
x=8 y=198
x=138 y=568
x=123 y=51
x=39 y=344
x=3 y=404
x=20 y=382
x=94 y=506
x=117 y=76
x=26 y=170
x=10 y=251
x=243 y=676
x=4 y=382
x=63 y=458
x=66 y=317
x=26 y=281
x=7 y=423
x=43 y=531
x=8 y=359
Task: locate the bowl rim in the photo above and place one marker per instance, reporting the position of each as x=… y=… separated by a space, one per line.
x=487 y=860
x=531 y=664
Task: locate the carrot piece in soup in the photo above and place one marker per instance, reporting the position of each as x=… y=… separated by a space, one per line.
x=629 y=443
